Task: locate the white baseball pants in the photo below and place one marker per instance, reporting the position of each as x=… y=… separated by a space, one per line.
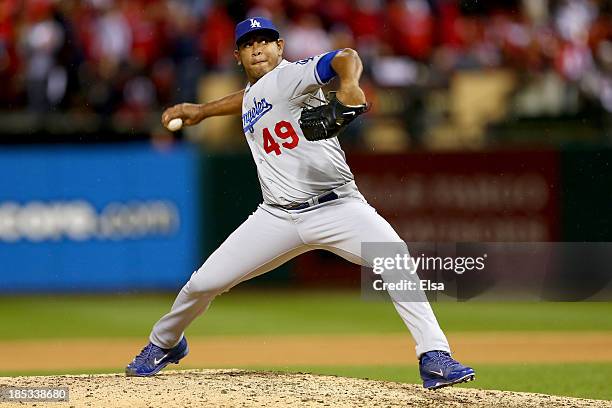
x=270 y=237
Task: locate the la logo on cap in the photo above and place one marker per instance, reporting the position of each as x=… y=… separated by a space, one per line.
x=255 y=23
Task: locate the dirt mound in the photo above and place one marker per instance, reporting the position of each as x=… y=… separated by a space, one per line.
x=239 y=388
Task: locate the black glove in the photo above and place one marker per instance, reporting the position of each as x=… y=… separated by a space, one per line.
x=328 y=120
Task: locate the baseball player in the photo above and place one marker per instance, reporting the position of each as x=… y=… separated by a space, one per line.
x=310 y=200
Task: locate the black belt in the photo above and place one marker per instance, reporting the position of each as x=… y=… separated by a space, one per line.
x=321 y=199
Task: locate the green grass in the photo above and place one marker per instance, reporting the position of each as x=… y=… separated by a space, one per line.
x=276 y=312
x=247 y=312
x=573 y=380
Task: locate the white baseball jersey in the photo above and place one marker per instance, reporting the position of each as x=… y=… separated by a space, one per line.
x=291 y=169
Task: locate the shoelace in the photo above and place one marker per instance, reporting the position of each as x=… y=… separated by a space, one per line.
x=443 y=359
x=144 y=354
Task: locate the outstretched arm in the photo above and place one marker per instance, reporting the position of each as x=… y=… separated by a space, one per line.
x=192 y=113
x=348 y=67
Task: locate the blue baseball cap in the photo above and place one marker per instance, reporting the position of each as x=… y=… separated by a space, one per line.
x=253 y=24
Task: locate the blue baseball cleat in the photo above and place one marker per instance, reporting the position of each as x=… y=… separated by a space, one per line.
x=438 y=369
x=153 y=358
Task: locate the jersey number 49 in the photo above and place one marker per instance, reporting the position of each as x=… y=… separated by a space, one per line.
x=283 y=130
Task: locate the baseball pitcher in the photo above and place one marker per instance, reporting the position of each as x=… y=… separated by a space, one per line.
x=310 y=200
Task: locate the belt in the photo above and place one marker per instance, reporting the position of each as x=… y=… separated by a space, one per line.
x=314 y=201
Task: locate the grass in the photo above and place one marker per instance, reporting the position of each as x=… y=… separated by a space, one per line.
x=244 y=312
x=263 y=312
x=573 y=380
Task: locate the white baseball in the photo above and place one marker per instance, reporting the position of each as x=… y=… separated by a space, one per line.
x=175 y=124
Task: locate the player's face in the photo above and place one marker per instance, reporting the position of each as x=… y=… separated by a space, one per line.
x=259 y=55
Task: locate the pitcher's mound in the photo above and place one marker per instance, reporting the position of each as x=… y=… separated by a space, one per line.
x=240 y=388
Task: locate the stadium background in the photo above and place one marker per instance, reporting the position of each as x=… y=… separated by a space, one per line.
x=491 y=121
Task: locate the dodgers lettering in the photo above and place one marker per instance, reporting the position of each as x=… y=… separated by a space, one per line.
x=250 y=117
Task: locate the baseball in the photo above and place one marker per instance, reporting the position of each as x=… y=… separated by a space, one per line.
x=175 y=124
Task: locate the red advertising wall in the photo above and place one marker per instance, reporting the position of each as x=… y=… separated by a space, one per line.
x=495 y=196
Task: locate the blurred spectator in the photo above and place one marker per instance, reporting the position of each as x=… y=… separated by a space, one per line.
x=410 y=28
x=111 y=35
x=9 y=63
x=125 y=59
x=42 y=38
x=217 y=38
x=366 y=22
x=186 y=64
x=306 y=38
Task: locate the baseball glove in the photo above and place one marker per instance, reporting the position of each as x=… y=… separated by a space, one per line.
x=329 y=119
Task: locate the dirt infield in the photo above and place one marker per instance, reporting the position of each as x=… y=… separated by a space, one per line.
x=81 y=355
x=239 y=388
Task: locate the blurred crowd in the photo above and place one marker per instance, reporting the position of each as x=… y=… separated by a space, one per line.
x=130 y=57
